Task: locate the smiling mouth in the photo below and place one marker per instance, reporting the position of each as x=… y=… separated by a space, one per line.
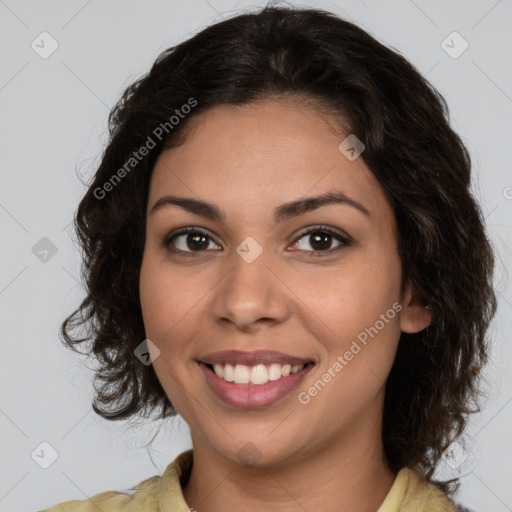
x=257 y=375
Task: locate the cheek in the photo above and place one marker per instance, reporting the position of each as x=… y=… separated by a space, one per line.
x=173 y=302
x=360 y=306
x=355 y=296
x=164 y=310
x=165 y=295
x=152 y=300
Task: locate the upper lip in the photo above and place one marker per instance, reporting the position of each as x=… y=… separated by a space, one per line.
x=235 y=357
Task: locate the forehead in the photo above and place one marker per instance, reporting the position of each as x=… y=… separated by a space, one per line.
x=258 y=155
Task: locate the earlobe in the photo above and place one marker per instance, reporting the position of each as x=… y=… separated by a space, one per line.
x=415 y=315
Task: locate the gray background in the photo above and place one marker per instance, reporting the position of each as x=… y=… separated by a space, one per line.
x=52 y=127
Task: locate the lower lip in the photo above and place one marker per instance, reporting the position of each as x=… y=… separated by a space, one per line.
x=252 y=395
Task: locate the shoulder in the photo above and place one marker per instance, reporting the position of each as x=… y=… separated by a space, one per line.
x=143 y=496
x=412 y=492
x=146 y=496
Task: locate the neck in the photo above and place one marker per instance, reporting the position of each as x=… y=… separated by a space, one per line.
x=350 y=474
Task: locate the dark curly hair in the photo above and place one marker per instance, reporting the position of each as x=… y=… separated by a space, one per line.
x=421 y=163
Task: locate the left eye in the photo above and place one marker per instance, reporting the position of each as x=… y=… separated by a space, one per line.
x=195 y=240
x=321 y=237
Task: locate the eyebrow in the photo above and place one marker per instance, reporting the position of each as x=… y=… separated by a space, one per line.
x=281 y=213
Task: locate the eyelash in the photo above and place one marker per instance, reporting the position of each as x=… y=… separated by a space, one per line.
x=338 y=235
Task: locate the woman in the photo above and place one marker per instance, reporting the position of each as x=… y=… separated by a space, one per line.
x=280 y=245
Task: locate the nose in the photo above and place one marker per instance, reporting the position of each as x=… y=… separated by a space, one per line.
x=251 y=295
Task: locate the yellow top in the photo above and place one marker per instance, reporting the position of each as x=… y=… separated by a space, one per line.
x=409 y=493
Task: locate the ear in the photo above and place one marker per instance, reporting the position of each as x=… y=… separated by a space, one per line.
x=414 y=317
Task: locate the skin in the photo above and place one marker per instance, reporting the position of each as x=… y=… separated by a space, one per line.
x=326 y=455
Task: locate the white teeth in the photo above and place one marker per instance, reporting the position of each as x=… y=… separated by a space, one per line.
x=257 y=375
x=242 y=374
x=218 y=370
x=274 y=371
x=229 y=373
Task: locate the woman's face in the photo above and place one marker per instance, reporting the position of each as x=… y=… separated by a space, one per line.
x=268 y=277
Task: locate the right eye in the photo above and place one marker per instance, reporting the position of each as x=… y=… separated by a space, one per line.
x=193 y=240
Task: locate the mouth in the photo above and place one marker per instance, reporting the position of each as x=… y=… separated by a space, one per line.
x=256 y=375
x=252 y=380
